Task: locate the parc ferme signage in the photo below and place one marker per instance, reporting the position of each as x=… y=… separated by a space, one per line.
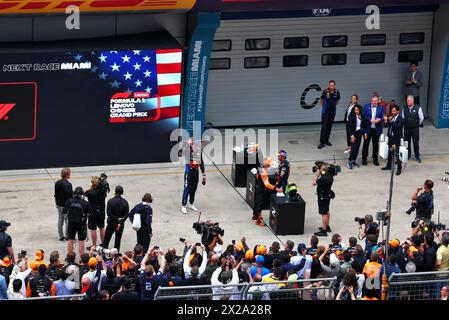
x=443 y=119
x=59 y=6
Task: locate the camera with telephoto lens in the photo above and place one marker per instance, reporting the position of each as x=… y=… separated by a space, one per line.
x=360 y=220
x=429 y=225
x=104 y=252
x=412 y=208
x=327 y=168
x=206 y=230
x=104 y=185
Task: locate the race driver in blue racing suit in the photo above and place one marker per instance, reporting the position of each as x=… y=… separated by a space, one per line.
x=194 y=163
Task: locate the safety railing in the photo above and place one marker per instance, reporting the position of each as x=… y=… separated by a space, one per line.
x=307 y=289
x=417 y=286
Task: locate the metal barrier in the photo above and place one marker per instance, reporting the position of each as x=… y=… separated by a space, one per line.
x=308 y=289
x=417 y=286
x=66 y=297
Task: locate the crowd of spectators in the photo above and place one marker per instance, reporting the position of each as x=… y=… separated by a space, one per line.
x=103 y=274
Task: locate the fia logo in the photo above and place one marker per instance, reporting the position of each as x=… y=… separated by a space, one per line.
x=321 y=12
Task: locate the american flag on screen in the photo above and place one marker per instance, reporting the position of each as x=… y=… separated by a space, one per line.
x=153 y=74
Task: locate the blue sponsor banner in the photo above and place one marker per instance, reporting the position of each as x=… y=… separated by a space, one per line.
x=197 y=71
x=443 y=116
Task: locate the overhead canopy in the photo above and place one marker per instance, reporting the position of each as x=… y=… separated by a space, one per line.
x=91 y=6
x=275 y=5
x=151 y=40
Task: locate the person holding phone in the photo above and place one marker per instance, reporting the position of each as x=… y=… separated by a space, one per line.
x=188 y=263
x=422 y=199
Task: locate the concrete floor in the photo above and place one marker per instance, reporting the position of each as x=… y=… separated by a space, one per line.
x=26 y=196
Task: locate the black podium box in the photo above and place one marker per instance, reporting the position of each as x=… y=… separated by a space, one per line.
x=287 y=217
x=251 y=189
x=242 y=162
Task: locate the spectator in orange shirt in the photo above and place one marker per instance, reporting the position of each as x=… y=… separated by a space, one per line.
x=372 y=268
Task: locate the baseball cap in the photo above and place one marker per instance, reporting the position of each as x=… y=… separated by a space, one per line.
x=6 y=261
x=38 y=254
x=282 y=153
x=260 y=259
x=34 y=265
x=92 y=262
x=3 y=223
x=218 y=250
x=301 y=247
x=394 y=243
x=249 y=255
x=239 y=246
x=261 y=249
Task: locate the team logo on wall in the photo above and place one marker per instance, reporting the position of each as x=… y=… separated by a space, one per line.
x=304 y=104
x=18 y=111
x=321 y=12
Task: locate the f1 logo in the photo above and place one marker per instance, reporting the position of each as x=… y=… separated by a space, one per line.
x=4 y=109
x=18 y=103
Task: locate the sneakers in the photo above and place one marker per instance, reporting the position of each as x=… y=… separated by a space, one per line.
x=321 y=233
x=329 y=144
x=193 y=207
x=184 y=209
x=350 y=165
x=418 y=159
x=327 y=230
x=321 y=146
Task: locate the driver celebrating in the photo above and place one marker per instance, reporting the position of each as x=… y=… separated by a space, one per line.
x=194 y=163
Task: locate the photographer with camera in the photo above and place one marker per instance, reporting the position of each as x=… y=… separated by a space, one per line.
x=227 y=277
x=323 y=181
x=422 y=201
x=97 y=199
x=367 y=226
x=77 y=210
x=213 y=239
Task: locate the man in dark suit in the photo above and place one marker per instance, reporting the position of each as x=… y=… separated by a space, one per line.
x=373 y=115
x=394 y=123
x=414 y=81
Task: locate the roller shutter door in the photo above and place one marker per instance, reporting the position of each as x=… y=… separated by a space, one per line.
x=239 y=96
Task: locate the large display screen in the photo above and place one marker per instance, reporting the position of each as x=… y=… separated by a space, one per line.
x=88 y=107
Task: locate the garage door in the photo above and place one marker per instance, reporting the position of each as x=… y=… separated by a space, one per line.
x=271 y=71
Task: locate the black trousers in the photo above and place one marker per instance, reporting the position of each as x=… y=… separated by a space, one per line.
x=327 y=120
x=261 y=196
x=110 y=230
x=143 y=237
x=409 y=134
x=355 y=146
x=372 y=135
x=348 y=135
x=390 y=157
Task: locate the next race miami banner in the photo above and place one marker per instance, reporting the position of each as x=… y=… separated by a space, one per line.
x=443 y=117
x=197 y=70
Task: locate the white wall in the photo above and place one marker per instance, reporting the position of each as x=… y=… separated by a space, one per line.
x=439 y=47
